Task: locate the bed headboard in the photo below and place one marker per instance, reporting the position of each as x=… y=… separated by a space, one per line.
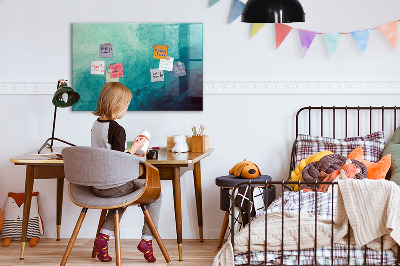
x=344 y=121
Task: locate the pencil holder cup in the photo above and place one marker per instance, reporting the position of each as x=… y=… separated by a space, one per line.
x=200 y=143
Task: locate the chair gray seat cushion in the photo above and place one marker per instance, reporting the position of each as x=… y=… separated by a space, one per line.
x=83 y=196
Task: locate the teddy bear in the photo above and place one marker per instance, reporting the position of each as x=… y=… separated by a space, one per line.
x=180 y=144
x=13 y=215
x=245 y=169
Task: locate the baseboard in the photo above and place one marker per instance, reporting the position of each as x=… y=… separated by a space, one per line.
x=247 y=87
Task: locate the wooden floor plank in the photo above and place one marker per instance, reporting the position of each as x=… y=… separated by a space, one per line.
x=49 y=252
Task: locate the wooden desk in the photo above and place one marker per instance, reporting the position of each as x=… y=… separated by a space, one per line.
x=171 y=167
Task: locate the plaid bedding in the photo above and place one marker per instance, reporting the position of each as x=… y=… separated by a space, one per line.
x=372 y=145
x=323 y=207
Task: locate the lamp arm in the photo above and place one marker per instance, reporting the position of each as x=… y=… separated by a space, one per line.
x=54 y=126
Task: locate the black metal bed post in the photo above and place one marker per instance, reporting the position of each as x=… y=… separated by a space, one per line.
x=233 y=218
x=298 y=238
x=348 y=242
x=333 y=114
x=381 y=250
x=315 y=222
x=249 y=220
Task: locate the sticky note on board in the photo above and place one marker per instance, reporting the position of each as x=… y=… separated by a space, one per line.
x=117 y=70
x=97 y=67
x=166 y=64
x=157 y=75
x=179 y=70
x=160 y=51
x=106 y=50
x=109 y=79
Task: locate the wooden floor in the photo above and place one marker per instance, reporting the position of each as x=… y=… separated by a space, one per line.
x=50 y=252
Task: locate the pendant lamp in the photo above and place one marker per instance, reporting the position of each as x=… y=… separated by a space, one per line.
x=273 y=11
x=64 y=96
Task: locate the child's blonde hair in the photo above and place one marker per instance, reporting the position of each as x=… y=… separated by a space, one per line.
x=112 y=99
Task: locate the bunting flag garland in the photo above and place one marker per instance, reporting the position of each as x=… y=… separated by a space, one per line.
x=237 y=9
x=361 y=38
x=256 y=28
x=213 y=2
x=281 y=31
x=389 y=30
x=332 y=41
x=306 y=39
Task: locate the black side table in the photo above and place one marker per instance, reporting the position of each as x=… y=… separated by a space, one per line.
x=226 y=183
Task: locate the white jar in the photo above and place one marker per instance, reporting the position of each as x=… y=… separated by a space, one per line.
x=144 y=134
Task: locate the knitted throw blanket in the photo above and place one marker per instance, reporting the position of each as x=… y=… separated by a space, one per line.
x=373 y=209
x=274 y=235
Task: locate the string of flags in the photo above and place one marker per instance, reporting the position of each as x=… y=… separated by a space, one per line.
x=361 y=37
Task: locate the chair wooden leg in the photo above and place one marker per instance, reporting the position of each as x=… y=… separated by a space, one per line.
x=101 y=222
x=117 y=238
x=154 y=230
x=73 y=237
x=223 y=229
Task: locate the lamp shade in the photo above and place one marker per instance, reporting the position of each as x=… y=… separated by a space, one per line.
x=273 y=11
x=65 y=96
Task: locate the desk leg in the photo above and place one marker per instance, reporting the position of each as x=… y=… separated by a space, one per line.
x=60 y=190
x=199 y=204
x=27 y=206
x=176 y=182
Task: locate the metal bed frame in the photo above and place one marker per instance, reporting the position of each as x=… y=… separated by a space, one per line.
x=283 y=184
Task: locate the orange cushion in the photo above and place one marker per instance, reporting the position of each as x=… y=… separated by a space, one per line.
x=375 y=170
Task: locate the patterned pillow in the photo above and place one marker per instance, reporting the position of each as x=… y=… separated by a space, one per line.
x=372 y=145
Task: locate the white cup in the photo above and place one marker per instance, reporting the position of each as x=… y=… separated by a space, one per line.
x=144 y=134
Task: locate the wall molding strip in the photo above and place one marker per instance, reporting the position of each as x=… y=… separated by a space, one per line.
x=244 y=87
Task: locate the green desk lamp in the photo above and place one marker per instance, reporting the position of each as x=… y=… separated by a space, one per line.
x=64 y=97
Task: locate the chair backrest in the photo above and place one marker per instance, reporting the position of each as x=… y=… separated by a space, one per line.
x=92 y=166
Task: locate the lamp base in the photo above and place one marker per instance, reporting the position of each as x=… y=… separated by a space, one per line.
x=50 y=146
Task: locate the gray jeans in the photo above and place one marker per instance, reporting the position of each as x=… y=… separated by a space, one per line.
x=154 y=208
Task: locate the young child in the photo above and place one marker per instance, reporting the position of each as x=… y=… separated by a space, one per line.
x=113 y=103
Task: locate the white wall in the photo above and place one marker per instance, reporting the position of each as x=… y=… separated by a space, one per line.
x=35 y=46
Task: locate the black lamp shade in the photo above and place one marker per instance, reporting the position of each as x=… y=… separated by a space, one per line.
x=273 y=11
x=71 y=96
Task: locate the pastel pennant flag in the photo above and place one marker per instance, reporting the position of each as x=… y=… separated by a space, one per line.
x=306 y=39
x=213 y=2
x=332 y=41
x=389 y=30
x=361 y=37
x=281 y=31
x=256 y=28
x=237 y=9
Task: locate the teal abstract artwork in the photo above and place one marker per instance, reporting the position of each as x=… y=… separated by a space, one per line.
x=161 y=63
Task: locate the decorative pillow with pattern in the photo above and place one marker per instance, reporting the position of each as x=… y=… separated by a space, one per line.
x=372 y=145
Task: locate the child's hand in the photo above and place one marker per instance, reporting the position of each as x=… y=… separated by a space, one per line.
x=137 y=144
x=143 y=155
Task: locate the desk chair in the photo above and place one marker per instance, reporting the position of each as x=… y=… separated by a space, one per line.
x=85 y=167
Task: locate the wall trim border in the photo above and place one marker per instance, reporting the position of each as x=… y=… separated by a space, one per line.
x=244 y=87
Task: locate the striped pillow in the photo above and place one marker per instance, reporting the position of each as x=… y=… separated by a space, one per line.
x=372 y=145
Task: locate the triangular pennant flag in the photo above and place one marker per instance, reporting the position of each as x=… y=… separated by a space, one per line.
x=237 y=9
x=256 y=28
x=281 y=31
x=332 y=41
x=306 y=39
x=361 y=37
x=390 y=32
x=213 y=2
